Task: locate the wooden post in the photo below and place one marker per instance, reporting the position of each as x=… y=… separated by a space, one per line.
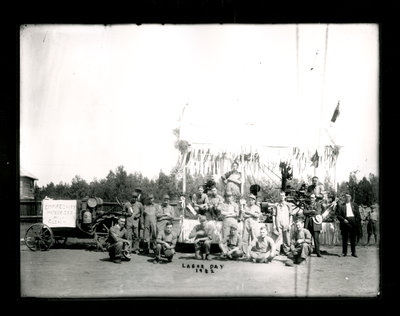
x=334 y=180
x=184 y=174
x=243 y=176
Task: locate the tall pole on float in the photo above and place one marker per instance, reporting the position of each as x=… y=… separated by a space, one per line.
x=323 y=92
x=184 y=174
x=185 y=155
x=243 y=176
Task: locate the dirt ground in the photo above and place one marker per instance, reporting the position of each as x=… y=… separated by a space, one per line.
x=78 y=271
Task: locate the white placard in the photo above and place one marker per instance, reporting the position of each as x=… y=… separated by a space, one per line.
x=59 y=213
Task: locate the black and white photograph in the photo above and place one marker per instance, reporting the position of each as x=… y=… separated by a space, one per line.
x=199 y=160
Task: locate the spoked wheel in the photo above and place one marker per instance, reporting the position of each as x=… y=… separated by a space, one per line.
x=126 y=251
x=39 y=237
x=101 y=228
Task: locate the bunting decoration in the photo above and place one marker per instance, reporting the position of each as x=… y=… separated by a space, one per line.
x=256 y=163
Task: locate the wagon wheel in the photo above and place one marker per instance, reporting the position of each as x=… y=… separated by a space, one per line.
x=39 y=237
x=101 y=228
x=126 y=251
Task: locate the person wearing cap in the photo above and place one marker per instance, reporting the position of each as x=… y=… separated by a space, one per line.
x=230 y=214
x=150 y=224
x=140 y=196
x=281 y=223
x=134 y=216
x=231 y=245
x=202 y=234
x=166 y=242
x=251 y=214
x=349 y=217
x=164 y=214
x=313 y=221
x=117 y=237
x=263 y=248
x=315 y=188
x=232 y=179
x=215 y=203
x=200 y=201
x=372 y=223
x=300 y=247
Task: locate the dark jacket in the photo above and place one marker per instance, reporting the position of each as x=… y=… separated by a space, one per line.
x=341 y=215
x=309 y=213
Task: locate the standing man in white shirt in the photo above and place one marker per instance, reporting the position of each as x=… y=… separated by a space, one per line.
x=349 y=217
x=230 y=214
x=251 y=214
x=282 y=221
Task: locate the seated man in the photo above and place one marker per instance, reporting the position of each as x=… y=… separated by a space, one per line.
x=200 y=201
x=214 y=208
x=166 y=242
x=263 y=247
x=300 y=247
x=202 y=234
x=164 y=214
x=231 y=245
x=116 y=241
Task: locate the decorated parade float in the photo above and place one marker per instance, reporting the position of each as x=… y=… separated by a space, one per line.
x=271 y=157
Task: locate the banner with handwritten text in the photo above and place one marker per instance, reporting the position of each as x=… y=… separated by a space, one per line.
x=59 y=213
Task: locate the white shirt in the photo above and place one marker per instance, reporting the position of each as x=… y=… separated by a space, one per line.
x=349 y=211
x=282 y=213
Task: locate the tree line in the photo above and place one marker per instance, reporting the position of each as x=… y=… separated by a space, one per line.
x=119 y=184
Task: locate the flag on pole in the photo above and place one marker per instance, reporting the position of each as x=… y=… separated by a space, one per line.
x=315 y=159
x=335 y=113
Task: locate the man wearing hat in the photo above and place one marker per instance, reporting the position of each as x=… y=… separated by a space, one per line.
x=251 y=214
x=140 y=196
x=349 y=217
x=313 y=221
x=230 y=214
x=372 y=223
x=231 y=245
x=150 y=224
x=202 y=234
x=281 y=223
x=134 y=214
x=215 y=203
x=164 y=214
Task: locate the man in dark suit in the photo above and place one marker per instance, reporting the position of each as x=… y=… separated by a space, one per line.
x=349 y=218
x=313 y=221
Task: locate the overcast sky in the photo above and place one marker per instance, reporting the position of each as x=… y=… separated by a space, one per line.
x=96 y=97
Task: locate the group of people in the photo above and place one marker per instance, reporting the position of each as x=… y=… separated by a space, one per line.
x=154 y=220
x=242 y=235
x=369 y=221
